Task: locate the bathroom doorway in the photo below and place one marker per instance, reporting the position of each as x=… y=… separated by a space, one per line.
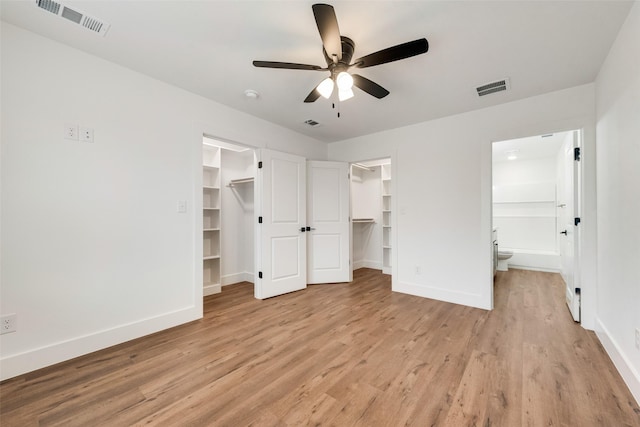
x=536 y=206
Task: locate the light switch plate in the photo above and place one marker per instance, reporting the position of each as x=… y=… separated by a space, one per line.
x=182 y=206
x=86 y=134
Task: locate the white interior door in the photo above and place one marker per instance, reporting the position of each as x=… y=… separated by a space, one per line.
x=281 y=210
x=328 y=235
x=569 y=230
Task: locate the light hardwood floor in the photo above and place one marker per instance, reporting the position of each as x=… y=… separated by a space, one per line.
x=343 y=355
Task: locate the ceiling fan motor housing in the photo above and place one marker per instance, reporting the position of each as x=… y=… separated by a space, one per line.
x=348 y=47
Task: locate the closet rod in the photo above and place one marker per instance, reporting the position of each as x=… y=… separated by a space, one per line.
x=233 y=182
x=358 y=165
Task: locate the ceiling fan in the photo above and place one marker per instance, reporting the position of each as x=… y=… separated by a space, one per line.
x=338 y=51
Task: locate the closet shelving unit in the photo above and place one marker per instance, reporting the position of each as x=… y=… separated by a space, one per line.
x=211 y=219
x=386 y=218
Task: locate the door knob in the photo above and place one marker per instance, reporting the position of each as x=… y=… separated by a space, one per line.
x=564 y=232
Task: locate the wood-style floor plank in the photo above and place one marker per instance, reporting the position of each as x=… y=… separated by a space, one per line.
x=343 y=355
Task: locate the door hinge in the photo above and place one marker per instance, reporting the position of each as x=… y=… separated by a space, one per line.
x=577 y=291
x=259 y=274
x=260 y=165
x=576 y=154
x=576 y=221
x=259 y=220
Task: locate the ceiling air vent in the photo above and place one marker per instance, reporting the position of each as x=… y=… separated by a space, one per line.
x=311 y=123
x=493 y=87
x=75 y=16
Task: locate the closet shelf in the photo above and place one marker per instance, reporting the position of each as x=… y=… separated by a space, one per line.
x=210 y=187
x=386 y=195
x=363 y=220
x=210 y=229
x=524 y=201
x=386 y=226
x=211 y=168
x=211 y=257
x=206 y=208
x=233 y=182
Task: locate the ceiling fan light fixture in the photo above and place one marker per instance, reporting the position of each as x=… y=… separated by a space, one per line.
x=326 y=87
x=343 y=95
x=344 y=81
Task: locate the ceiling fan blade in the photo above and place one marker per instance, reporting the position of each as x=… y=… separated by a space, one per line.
x=372 y=88
x=328 y=28
x=394 y=53
x=313 y=96
x=286 y=65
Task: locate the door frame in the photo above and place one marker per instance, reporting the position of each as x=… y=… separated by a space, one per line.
x=579 y=204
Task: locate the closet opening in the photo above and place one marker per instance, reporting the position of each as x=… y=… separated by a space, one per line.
x=371 y=215
x=228 y=226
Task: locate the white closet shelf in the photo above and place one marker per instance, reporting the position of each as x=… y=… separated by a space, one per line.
x=386 y=179
x=525 y=201
x=206 y=208
x=233 y=182
x=386 y=247
x=386 y=210
x=210 y=229
x=386 y=226
x=210 y=187
x=210 y=257
x=386 y=195
x=211 y=168
x=363 y=220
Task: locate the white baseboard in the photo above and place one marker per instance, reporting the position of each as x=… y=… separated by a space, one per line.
x=211 y=289
x=622 y=363
x=441 y=294
x=18 y=364
x=365 y=263
x=231 y=279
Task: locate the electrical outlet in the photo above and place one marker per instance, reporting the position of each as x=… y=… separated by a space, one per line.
x=8 y=323
x=638 y=339
x=86 y=134
x=182 y=206
x=71 y=131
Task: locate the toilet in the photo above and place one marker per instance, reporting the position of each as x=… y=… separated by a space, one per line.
x=503 y=257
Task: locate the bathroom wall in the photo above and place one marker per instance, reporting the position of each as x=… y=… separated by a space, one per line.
x=524 y=210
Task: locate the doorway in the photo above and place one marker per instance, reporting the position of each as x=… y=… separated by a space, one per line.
x=273 y=219
x=228 y=172
x=371 y=215
x=536 y=207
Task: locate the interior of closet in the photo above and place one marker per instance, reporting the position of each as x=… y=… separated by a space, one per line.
x=371 y=214
x=228 y=214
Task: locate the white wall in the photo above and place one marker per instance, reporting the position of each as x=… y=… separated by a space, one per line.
x=366 y=202
x=238 y=224
x=618 y=156
x=442 y=192
x=524 y=211
x=94 y=252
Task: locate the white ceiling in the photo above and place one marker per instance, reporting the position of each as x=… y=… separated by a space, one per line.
x=533 y=147
x=207 y=47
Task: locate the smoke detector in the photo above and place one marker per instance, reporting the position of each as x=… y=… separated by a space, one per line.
x=90 y=23
x=493 y=87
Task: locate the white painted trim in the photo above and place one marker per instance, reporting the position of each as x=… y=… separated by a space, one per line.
x=17 y=364
x=232 y=279
x=629 y=375
x=367 y=263
x=439 y=293
x=211 y=289
x=526 y=267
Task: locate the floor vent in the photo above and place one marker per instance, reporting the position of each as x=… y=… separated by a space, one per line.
x=75 y=16
x=311 y=123
x=493 y=87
